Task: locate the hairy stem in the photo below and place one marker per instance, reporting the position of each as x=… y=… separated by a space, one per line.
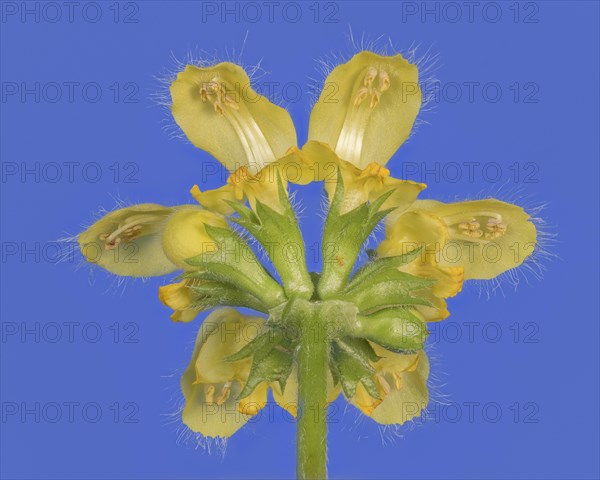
x=312 y=377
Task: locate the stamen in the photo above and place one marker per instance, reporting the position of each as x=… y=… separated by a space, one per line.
x=224 y=395
x=384 y=81
x=360 y=96
x=349 y=144
x=255 y=145
x=209 y=393
x=385 y=386
x=397 y=380
x=370 y=76
x=471 y=227
x=128 y=230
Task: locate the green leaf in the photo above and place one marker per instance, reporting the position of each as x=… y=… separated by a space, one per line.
x=210 y=294
x=359 y=349
x=380 y=284
x=281 y=238
x=343 y=237
x=386 y=295
x=351 y=364
x=396 y=329
x=259 y=346
x=234 y=263
x=275 y=366
x=377 y=268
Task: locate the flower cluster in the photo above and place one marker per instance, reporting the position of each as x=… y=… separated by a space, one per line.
x=315 y=335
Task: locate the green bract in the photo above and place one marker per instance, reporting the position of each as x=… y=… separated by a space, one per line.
x=343 y=316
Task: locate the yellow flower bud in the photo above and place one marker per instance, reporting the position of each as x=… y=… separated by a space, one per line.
x=185 y=234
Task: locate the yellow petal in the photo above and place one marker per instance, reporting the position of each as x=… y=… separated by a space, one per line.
x=437 y=312
x=367 y=108
x=243 y=185
x=185 y=234
x=364 y=401
x=448 y=280
x=128 y=241
x=296 y=167
x=211 y=385
x=178 y=296
x=415 y=229
x=404 y=194
x=205 y=414
x=401 y=380
x=360 y=185
x=486 y=237
x=288 y=398
x=408 y=395
x=226 y=332
x=216 y=200
x=412 y=230
x=219 y=112
x=255 y=402
x=262 y=186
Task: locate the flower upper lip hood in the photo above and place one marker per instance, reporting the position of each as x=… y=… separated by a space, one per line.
x=221 y=113
x=371 y=111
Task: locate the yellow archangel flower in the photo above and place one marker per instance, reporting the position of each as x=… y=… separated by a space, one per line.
x=370 y=323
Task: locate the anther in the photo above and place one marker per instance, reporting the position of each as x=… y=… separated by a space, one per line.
x=384 y=81
x=473 y=233
x=360 y=96
x=209 y=393
x=397 y=380
x=370 y=76
x=374 y=99
x=224 y=395
x=385 y=386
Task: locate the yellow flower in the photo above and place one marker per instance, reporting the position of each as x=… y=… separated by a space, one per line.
x=367 y=108
x=371 y=113
x=211 y=384
x=220 y=113
x=185 y=234
x=401 y=381
x=483 y=237
x=148 y=239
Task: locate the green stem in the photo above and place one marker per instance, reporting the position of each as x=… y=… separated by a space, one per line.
x=312 y=413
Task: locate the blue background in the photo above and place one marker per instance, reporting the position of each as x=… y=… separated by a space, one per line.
x=552 y=382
